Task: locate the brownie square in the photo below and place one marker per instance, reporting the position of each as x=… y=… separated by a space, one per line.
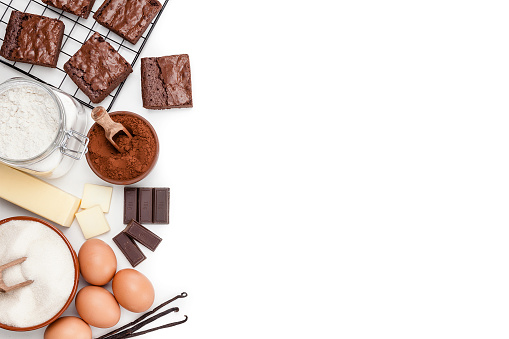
x=34 y=39
x=97 y=68
x=80 y=8
x=166 y=82
x=127 y=18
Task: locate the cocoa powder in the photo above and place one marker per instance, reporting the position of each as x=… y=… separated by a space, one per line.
x=137 y=154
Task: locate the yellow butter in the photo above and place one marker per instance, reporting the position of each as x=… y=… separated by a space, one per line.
x=97 y=195
x=37 y=196
x=92 y=222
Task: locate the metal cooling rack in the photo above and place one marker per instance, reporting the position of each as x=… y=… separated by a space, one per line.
x=77 y=31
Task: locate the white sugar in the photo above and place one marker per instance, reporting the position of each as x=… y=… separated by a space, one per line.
x=49 y=263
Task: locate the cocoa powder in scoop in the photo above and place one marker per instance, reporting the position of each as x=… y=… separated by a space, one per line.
x=136 y=157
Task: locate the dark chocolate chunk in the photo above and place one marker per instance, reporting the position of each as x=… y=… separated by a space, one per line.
x=166 y=82
x=34 y=39
x=131 y=251
x=145 y=205
x=143 y=235
x=161 y=214
x=97 y=68
x=130 y=204
x=127 y=18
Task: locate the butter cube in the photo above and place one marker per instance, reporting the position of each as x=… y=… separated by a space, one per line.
x=97 y=195
x=92 y=222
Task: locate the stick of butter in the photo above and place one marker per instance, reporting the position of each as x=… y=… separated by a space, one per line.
x=37 y=196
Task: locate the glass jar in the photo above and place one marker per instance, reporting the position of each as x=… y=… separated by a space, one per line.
x=69 y=142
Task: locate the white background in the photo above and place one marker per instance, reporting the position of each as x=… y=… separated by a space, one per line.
x=343 y=173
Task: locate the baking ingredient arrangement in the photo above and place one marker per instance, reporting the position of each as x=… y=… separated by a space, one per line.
x=43 y=132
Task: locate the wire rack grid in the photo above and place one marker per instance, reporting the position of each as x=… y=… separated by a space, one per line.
x=77 y=31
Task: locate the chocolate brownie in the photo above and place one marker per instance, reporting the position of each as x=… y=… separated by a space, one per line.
x=97 y=68
x=166 y=82
x=80 y=8
x=127 y=18
x=34 y=39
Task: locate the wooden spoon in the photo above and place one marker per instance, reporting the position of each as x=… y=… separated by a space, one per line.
x=3 y=287
x=111 y=128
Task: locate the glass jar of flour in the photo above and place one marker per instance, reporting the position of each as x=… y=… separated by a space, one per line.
x=41 y=128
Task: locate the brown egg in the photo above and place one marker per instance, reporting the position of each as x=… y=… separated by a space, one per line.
x=133 y=290
x=98 y=262
x=68 y=328
x=97 y=307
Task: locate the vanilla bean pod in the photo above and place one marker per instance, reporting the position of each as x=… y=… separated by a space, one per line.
x=127 y=332
x=156 y=328
x=107 y=335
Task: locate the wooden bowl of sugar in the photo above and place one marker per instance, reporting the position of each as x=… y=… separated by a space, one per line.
x=51 y=262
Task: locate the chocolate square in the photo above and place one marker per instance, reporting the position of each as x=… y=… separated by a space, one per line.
x=166 y=82
x=161 y=214
x=34 y=39
x=143 y=235
x=131 y=251
x=97 y=68
x=130 y=204
x=145 y=205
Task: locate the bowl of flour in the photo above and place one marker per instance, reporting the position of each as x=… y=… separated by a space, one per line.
x=51 y=263
x=31 y=119
x=41 y=128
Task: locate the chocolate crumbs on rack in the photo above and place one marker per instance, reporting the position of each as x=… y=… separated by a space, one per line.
x=127 y=331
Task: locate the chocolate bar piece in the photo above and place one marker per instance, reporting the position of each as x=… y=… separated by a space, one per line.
x=131 y=251
x=147 y=205
x=130 y=204
x=161 y=213
x=143 y=235
x=144 y=205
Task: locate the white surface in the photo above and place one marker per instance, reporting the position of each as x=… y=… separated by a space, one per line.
x=343 y=173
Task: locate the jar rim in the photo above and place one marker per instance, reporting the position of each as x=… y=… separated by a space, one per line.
x=59 y=135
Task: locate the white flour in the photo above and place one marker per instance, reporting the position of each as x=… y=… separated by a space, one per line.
x=29 y=122
x=49 y=263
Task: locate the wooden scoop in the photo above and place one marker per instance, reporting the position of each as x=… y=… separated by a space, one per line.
x=111 y=128
x=3 y=287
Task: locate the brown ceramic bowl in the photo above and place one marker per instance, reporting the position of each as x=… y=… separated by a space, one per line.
x=76 y=275
x=132 y=180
